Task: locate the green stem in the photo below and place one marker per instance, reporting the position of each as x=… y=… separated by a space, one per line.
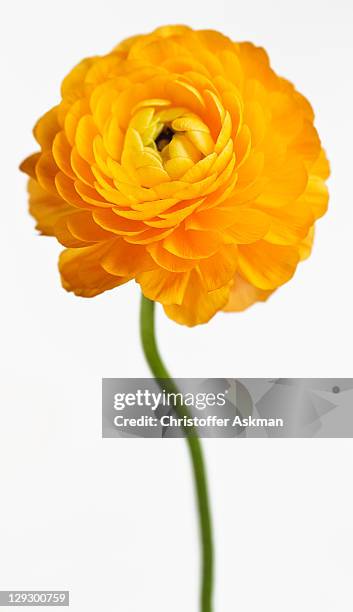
x=159 y=371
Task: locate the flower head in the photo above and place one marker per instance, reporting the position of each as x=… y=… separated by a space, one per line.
x=180 y=160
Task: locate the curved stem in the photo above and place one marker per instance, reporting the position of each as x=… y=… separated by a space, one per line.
x=147 y=327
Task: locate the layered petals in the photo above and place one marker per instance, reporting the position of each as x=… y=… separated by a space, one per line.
x=198 y=304
x=82 y=273
x=182 y=161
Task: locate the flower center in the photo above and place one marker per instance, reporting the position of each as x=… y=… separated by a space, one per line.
x=164 y=137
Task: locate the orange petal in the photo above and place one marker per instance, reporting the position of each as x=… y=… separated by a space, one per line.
x=81 y=169
x=73 y=85
x=108 y=220
x=212 y=218
x=46 y=208
x=66 y=188
x=240 y=224
x=267 y=266
x=29 y=165
x=46 y=171
x=315 y=196
x=290 y=224
x=163 y=286
x=250 y=225
x=190 y=244
x=73 y=116
x=321 y=166
x=85 y=134
x=82 y=273
x=65 y=237
x=287 y=184
x=219 y=269
x=306 y=245
x=244 y=294
x=61 y=153
x=198 y=306
x=123 y=259
x=307 y=143
x=82 y=225
x=46 y=128
x=167 y=260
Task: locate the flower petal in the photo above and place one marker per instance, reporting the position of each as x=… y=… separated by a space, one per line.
x=123 y=259
x=243 y=294
x=46 y=208
x=190 y=244
x=198 y=306
x=82 y=273
x=219 y=269
x=163 y=286
x=267 y=266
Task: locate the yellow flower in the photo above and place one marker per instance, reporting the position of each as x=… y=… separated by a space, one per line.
x=180 y=160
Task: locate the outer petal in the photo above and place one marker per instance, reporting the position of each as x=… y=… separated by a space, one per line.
x=307 y=244
x=124 y=259
x=243 y=294
x=29 y=165
x=267 y=266
x=46 y=208
x=82 y=273
x=190 y=244
x=219 y=269
x=290 y=224
x=321 y=167
x=167 y=260
x=315 y=196
x=73 y=85
x=163 y=286
x=82 y=225
x=286 y=186
x=46 y=128
x=198 y=306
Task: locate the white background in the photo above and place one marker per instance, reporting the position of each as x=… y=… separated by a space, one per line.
x=113 y=521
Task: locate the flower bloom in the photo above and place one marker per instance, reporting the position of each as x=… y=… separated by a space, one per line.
x=180 y=160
